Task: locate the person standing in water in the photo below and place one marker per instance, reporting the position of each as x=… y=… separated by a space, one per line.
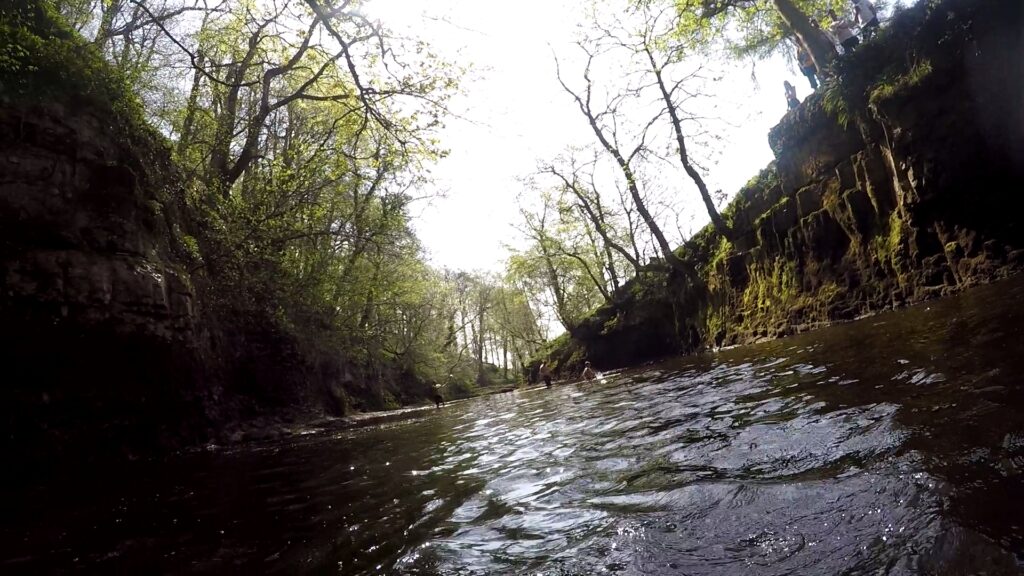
x=588 y=372
x=545 y=374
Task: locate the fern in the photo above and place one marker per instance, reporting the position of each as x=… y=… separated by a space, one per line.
x=835 y=101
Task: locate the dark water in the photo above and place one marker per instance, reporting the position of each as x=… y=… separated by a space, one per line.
x=893 y=445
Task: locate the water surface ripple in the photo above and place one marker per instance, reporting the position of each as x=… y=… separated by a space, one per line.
x=893 y=445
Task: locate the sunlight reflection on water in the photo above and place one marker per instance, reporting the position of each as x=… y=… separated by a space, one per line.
x=892 y=445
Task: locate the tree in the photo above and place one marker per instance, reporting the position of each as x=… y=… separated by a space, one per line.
x=588 y=202
x=643 y=39
x=607 y=136
x=301 y=129
x=560 y=260
x=517 y=323
x=761 y=29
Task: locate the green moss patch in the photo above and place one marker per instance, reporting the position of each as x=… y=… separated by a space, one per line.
x=43 y=60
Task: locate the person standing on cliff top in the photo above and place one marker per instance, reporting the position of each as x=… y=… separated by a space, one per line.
x=803 y=58
x=865 y=14
x=791 y=99
x=545 y=373
x=842 y=29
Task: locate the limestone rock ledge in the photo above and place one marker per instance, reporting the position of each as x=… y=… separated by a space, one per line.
x=900 y=181
x=99 y=323
x=84 y=231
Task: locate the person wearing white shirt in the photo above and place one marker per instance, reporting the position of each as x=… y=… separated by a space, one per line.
x=865 y=14
x=842 y=29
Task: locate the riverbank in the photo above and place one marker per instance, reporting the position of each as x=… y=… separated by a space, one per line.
x=283 y=427
x=898 y=182
x=300 y=424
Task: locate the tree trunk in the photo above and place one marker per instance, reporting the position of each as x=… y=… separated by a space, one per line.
x=612 y=271
x=110 y=11
x=126 y=46
x=818 y=46
x=480 y=340
x=675 y=262
x=598 y=256
x=222 y=173
x=666 y=250
x=221 y=150
x=598 y=282
x=504 y=351
x=684 y=157
x=561 y=309
x=190 y=109
x=598 y=221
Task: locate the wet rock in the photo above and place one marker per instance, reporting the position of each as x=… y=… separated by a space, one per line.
x=912 y=197
x=809 y=200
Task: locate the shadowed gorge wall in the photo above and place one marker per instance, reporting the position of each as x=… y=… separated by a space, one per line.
x=107 y=345
x=98 y=311
x=899 y=181
x=116 y=340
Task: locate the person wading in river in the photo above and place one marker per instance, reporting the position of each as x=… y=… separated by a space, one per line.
x=588 y=372
x=545 y=374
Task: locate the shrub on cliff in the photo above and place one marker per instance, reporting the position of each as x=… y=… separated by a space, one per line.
x=43 y=60
x=291 y=186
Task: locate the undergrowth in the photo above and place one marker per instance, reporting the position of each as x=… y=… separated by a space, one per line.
x=37 y=49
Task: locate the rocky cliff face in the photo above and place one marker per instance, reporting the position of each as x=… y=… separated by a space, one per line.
x=98 y=311
x=109 y=348
x=115 y=342
x=900 y=181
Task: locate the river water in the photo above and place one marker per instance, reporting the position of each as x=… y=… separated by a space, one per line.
x=891 y=445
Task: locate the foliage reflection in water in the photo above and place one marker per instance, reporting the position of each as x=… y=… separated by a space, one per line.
x=891 y=445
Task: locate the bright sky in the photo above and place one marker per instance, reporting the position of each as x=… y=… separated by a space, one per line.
x=514 y=114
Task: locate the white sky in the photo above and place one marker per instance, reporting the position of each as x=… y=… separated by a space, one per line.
x=514 y=114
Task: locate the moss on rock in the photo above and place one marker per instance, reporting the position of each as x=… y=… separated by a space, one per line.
x=906 y=201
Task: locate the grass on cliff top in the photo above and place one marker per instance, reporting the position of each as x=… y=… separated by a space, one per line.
x=900 y=56
x=44 y=60
x=892 y=86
